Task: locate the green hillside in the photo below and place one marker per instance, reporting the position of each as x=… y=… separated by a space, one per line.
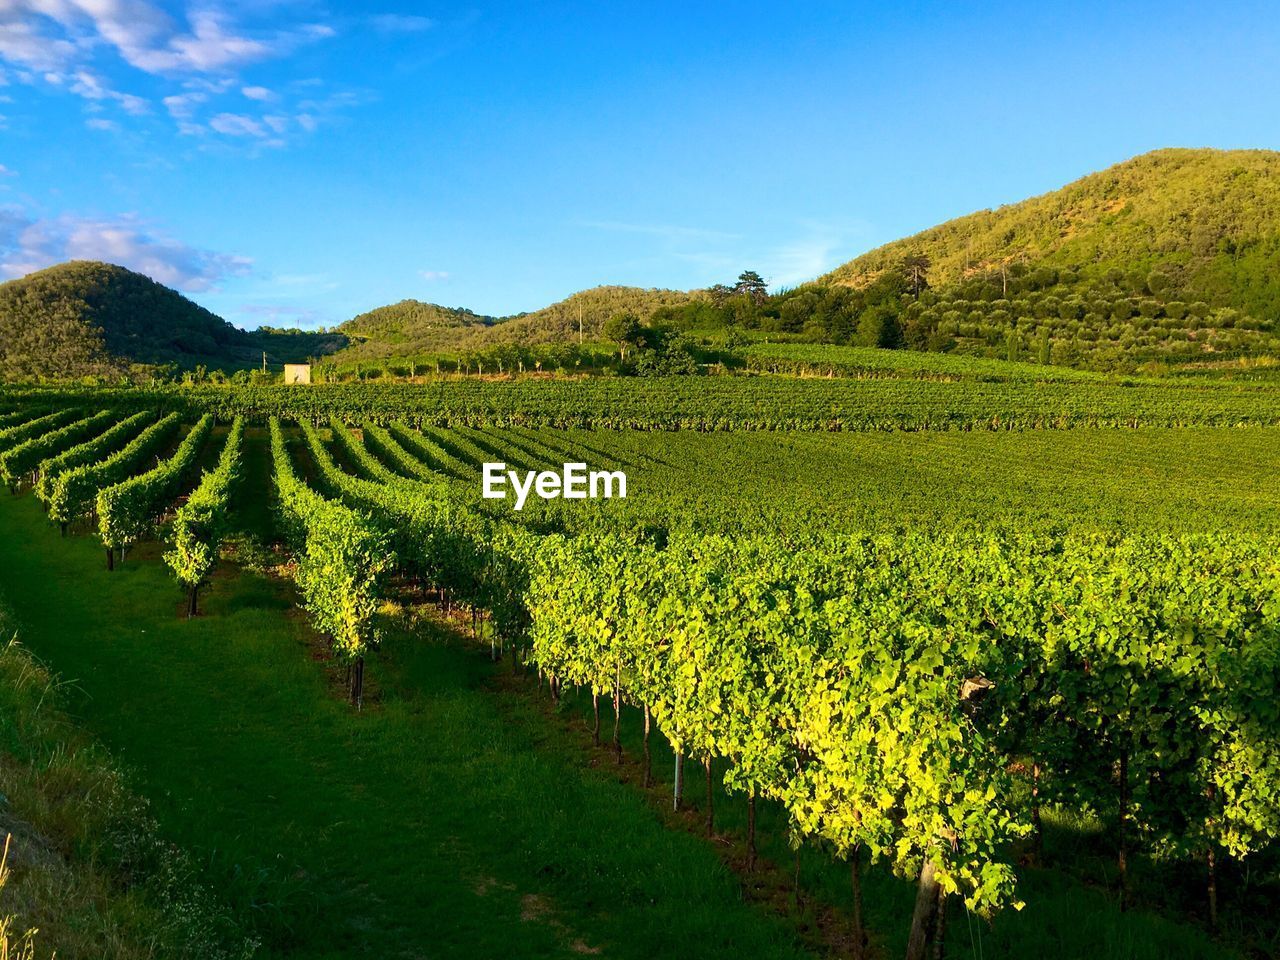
x=584 y=312
x=1171 y=258
x=1171 y=255
x=88 y=318
x=1206 y=221
x=409 y=327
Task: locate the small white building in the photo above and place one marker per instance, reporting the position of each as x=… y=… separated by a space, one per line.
x=297 y=373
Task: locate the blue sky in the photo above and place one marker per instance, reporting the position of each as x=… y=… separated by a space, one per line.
x=296 y=162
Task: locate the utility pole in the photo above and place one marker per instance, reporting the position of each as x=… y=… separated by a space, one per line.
x=264 y=361
x=579 y=323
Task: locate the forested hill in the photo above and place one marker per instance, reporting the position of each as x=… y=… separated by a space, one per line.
x=1166 y=260
x=89 y=318
x=411 y=327
x=1191 y=225
x=584 y=312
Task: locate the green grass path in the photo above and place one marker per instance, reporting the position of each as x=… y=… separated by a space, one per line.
x=433 y=825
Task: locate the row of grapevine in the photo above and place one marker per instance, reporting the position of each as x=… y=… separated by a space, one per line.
x=11 y=418
x=23 y=458
x=34 y=427
x=381 y=442
x=820 y=359
x=341 y=557
x=731 y=402
x=435 y=540
x=126 y=509
x=526 y=580
x=568 y=592
x=90 y=451
x=884 y=688
x=201 y=524
x=433 y=455
x=471 y=556
x=73 y=492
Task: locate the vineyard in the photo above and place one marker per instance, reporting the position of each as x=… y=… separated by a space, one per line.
x=900 y=402
x=921 y=627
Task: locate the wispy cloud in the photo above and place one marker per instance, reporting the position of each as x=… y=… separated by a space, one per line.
x=31 y=243
x=434 y=276
x=88 y=85
x=55 y=34
x=183 y=106
x=237 y=125
x=24 y=43
x=72 y=44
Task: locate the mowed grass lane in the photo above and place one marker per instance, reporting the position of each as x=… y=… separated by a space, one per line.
x=433 y=824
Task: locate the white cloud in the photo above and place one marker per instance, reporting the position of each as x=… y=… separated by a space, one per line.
x=100 y=123
x=434 y=275
x=143 y=34
x=91 y=87
x=205 y=85
x=28 y=243
x=78 y=46
x=182 y=106
x=208 y=47
x=237 y=125
x=23 y=42
x=400 y=23
x=6 y=172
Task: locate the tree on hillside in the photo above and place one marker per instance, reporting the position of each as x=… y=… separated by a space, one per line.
x=916 y=270
x=719 y=293
x=624 y=330
x=752 y=286
x=879 y=327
